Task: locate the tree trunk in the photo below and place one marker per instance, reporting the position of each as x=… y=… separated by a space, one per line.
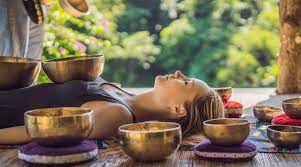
x=289 y=61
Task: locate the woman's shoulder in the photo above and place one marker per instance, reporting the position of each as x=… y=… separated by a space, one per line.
x=116 y=109
x=121 y=111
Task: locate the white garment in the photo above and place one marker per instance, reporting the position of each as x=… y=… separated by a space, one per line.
x=19 y=36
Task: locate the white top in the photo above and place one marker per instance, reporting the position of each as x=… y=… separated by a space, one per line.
x=19 y=36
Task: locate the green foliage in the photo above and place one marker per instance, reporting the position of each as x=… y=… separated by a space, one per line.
x=223 y=42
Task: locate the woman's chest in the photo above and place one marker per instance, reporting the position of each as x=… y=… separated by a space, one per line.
x=115 y=92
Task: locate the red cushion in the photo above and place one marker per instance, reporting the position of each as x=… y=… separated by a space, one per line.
x=233 y=109
x=233 y=104
x=286 y=120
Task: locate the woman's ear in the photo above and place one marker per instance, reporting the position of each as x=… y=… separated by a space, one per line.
x=178 y=110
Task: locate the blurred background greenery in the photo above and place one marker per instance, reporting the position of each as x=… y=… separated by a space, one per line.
x=223 y=42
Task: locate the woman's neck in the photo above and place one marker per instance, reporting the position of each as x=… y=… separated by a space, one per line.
x=145 y=107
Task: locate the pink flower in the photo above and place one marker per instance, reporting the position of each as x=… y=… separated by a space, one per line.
x=105 y=23
x=80 y=46
x=46 y=8
x=62 y=50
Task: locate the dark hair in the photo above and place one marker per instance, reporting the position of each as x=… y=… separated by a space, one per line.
x=202 y=108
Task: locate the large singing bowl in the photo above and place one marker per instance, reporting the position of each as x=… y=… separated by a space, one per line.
x=150 y=141
x=18 y=72
x=59 y=126
x=86 y=68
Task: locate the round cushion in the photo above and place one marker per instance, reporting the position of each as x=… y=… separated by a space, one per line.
x=206 y=150
x=35 y=153
x=286 y=120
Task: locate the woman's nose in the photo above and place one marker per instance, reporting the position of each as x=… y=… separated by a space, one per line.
x=179 y=75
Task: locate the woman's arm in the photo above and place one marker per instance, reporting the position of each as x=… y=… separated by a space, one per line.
x=108 y=117
x=14 y=135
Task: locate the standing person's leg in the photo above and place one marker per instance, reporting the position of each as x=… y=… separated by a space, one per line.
x=6 y=47
x=14 y=30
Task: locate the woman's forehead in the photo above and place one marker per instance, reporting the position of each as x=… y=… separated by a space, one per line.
x=198 y=82
x=201 y=85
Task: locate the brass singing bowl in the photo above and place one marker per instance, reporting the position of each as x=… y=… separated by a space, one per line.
x=292 y=107
x=18 y=72
x=227 y=131
x=150 y=141
x=284 y=136
x=224 y=92
x=59 y=126
x=86 y=68
x=75 y=8
x=266 y=113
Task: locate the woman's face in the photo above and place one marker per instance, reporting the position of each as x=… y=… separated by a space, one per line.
x=176 y=89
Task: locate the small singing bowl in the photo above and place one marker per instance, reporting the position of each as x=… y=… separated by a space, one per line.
x=224 y=92
x=59 y=126
x=75 y=8
x=227 y=131
x=284 y=136
x=292 y=107
x=18 y=72
x=266 y=113
x=150 y=141
x=86 y=68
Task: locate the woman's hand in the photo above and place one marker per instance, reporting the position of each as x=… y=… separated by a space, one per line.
x=14 y=135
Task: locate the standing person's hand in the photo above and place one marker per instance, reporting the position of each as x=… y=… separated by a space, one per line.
x=46 y=2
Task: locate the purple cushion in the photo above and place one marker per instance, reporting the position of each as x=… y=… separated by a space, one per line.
x=206 y=150
x=37 y=154
x=34 y=148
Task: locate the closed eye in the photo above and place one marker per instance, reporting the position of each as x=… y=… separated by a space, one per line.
x=186 y=82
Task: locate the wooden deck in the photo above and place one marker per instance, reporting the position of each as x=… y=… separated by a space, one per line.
x=248 y=97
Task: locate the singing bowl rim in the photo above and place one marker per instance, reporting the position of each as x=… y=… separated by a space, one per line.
x=268 y=111
x=26 y=60
x=290 y=101
x=122 y=130
x=270 y=128
x=73 y=59
x=259 y=107
x=243 y=122
x=87 y=111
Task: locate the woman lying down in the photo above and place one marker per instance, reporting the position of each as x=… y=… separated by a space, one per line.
x=175 y=97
